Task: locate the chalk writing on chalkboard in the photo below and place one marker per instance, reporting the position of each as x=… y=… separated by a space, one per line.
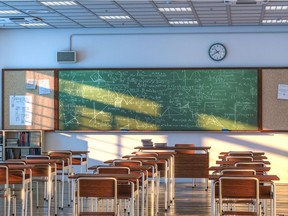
x=160 y=99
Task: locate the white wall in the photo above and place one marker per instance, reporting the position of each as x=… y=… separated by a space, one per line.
x=152 y=48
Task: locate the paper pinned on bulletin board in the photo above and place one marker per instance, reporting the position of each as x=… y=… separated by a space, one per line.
x=282 y=91
x=20 y=110
x=44 y=86
x=31 y=84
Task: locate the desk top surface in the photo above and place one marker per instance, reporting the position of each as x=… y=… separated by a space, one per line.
x=260 y=177
x=74 y=152
x=257 y=169
x=222 y=162
x=254 y=153
x=255 y=157
x=117 y=176
x=173 y=148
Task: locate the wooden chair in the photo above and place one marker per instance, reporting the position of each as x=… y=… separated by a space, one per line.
x=43 y=179
x=44 y=172
x=64 y=168
x=154 y=175
x=238 y=188
x=240 y=153
x=251 y=164
x=237 y=172
x=126 y=190
x=239 y=158
x=144 y=182
x=102 y=188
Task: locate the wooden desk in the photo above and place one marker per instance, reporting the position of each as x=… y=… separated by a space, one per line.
x=187 y=165
x=79 y=157
x=148 y=167
x=21 y=174
x=37 y=171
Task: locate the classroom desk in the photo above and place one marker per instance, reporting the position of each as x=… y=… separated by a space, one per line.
x=79 y=157
x=263 y=178
x=130 y=177
x=52 y=173
x=186 y=165
x=21 y=173
x=155 y=179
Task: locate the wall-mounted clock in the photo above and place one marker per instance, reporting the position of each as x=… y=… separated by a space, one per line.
x=217 y=51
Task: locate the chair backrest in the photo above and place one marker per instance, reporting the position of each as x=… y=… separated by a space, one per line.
x=65 y=155
x=37 y=157
x=185 y=151
x=127 y=163
x=239 y=158
x=143 y=158
x=250 y=164
x=113 y=170
x=238 y=187
x=4 y=176
x=240 y=153
x=237 y=172
x=101 y=187
x=147 y=154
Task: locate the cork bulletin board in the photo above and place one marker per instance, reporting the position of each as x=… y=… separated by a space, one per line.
x=274 y=110
x=37 y=89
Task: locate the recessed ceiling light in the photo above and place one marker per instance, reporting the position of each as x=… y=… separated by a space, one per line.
x=9 y=12
x=280 y=7
x=38 y=11
x=114 y=17
x=180 y=9
x=33 y=24
x=59 y=3
x=183 y=22
x=275 y=21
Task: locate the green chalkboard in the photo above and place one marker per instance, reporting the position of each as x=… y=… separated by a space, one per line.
x=158 y=99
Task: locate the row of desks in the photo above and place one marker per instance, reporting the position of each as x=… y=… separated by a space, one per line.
x=264 y=177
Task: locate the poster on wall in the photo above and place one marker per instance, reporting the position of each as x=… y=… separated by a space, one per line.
x=282 y=91
x=20 y=110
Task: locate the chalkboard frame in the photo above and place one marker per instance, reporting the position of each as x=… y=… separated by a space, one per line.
x=259 y=99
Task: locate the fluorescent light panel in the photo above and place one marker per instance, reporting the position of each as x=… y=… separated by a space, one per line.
x=33 y=24
x=114 y=17
x=59 y=3
x=275 y=21
x=181 y=9
x=280 y=7
x=9 y=12
x=183 y=22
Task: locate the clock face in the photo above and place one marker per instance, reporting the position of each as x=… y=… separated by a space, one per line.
x=217 y=52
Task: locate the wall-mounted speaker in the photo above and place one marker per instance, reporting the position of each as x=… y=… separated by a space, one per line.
x=66 y=57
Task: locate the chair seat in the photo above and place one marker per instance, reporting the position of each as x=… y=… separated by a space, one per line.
x=238 y=213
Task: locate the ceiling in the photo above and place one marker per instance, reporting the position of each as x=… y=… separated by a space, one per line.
x=141 y=13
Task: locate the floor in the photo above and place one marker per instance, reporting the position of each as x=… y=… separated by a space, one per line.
x=188 y=201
